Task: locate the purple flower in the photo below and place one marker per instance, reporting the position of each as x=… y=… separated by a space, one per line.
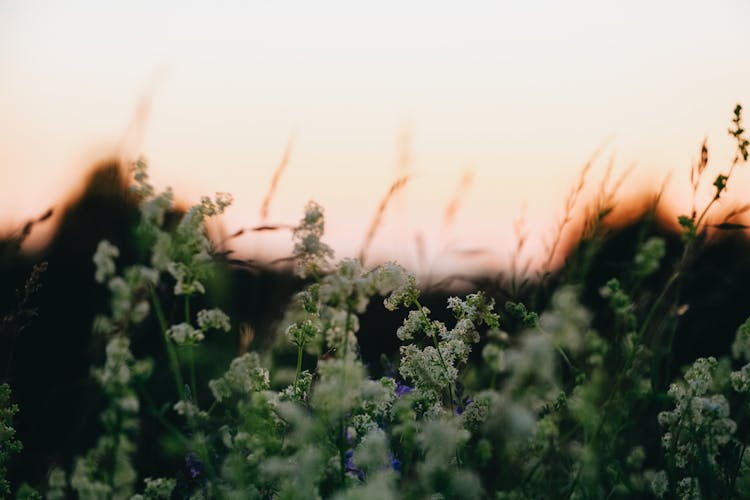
x=350 y=466
x=395 y=463
x=194 y=465
x=461 y=408
x=402 y=389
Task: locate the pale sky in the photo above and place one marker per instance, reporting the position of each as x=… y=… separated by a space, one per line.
x=522 y=93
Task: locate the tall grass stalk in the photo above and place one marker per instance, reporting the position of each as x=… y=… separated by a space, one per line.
x=377 y=219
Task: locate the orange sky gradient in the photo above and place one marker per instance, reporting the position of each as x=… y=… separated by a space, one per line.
x=518 y=93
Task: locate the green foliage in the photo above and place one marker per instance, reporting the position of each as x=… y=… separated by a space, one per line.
x=9 y=445
x=689 y=230
x=649 y=256
x=555 y=409
x=157 y=489
x=518 y=310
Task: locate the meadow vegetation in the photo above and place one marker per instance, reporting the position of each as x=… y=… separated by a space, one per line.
x=569 y=388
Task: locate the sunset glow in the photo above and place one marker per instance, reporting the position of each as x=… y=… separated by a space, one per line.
x=520 y=94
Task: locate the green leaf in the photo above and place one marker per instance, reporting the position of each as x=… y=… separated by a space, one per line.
x=720 y=183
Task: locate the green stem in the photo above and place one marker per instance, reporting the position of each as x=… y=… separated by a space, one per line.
x=171 y=351
x=737 y=471
x=685 y=254
x=342 y=449
x=437 y=348
x=627 y=364
x=558 y=347
x=657 y=303
x=193 y=384
x=159 y=312
x=191 y=354
x=151 y=407
x=187 y=309
x=115 y=448
x=205 y=456
x=715 y=198
x=347 y=326
x=299 y=365
x=202 y=449
x=343 y=445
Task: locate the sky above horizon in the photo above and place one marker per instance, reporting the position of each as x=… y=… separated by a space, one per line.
x=520 y=94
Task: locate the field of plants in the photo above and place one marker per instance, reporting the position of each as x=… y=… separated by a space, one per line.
x=623 y=374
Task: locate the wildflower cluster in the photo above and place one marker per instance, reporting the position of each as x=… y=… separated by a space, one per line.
x=698 y=428
x=118 y=377
x=183 y=251
x=434 y=368
x=552 y=405
x=245 y=375
x=325 y=316
x=208 y=319
x=129 y=292
x=648 y=259
x=311 y=254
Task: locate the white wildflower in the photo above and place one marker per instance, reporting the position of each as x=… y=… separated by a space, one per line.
x=160 y=488
x=56 y=484
x=741 y=379
x=658 y=482
x=104 y=259
x=311 y=254
x=189 y=410
x=185 y=284
x=406 y=294
x=245 y=375
x=413 y=324
x=129 y=404
x=494 y=357
x=689 y=489
x=154 y=209
x=696 y=407
x=302 y=333
x=213 y=319
x=184 y=333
